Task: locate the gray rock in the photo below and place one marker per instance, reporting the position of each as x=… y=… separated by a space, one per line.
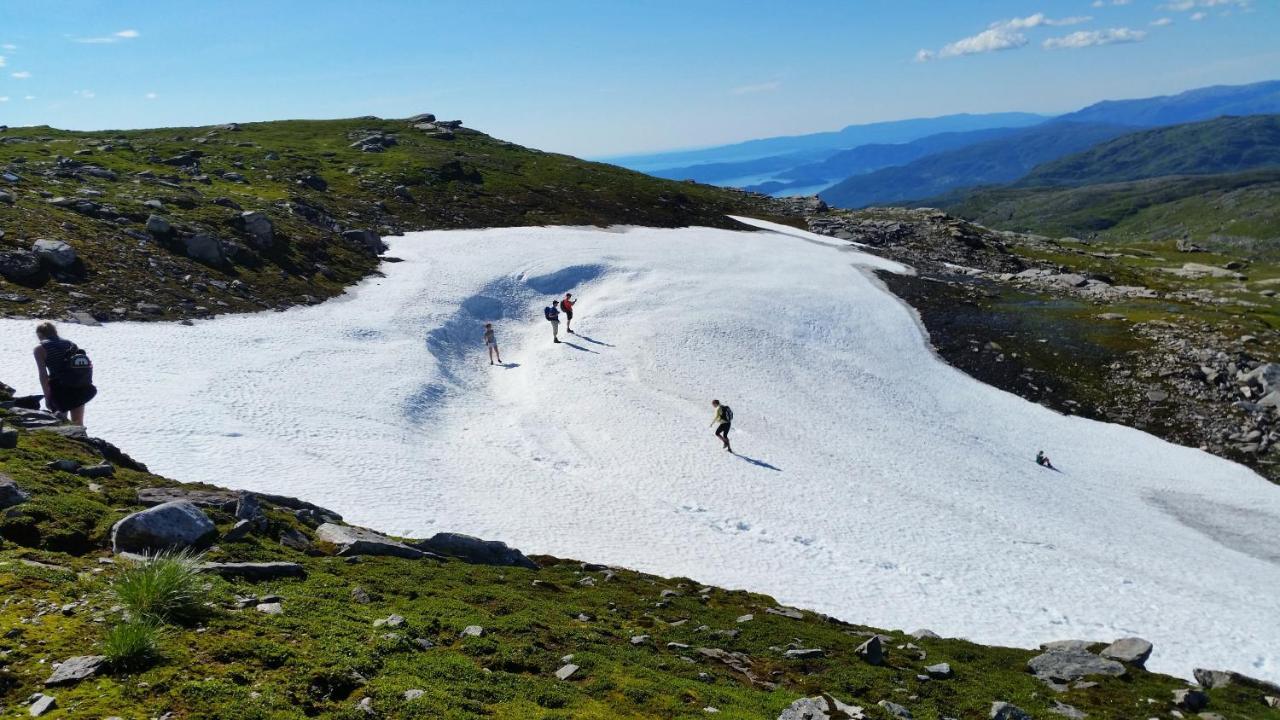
x=73 y=670
x=221 y=499
x=566 y=671
x=158 y=226
x=472 y=631
x=81 y=317
x=295 y=539
x=315 y=182
x=173 y=525
x=367 y=239
x=259 y=229
x=1190 y=700
x=941 y=671
x=19 y=265
x=923 y=634
x=8 y=438
x=895 y=709
x=1210 y=679
x=805 y=653
x=474 y=550
x=1131 y=651
x=238 y=532
x=100 y=470
x=54 y=253
x=1005 y=711
x=1272 y=701
x=41 y=705
x=248 y=507
x=1266 y=375
x=10 y=493
x=255 y=571
x=1068 y=645
x=391 y=621
x=871 y=651
x=206 y=248
x=822 y=707
x=270 y=608
x=1070 y=665
x=639 y=639
x=413 y=694
x=1067 y=711
x=360 y=541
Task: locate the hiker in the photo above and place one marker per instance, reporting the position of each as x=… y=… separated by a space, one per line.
x=552 y=313
x=1043 y=460
x=492 y=343
x=66 y=374
x=723 y=421
x=567 y=306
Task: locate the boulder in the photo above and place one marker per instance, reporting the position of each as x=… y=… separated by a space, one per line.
x=1071 y=665
x=10 y=493
x=254 y=571
x=41 y=705
x=360 y=541
x=238 y=532
x=19 y=265
x=567 y=671
x=172 y=525
x=872 y=651
x=1266 y=375
x=315 y=182
x=822 y=707
x=1131 y=651
x=367 y=239
x=923 y=634
x=259 y=229
x=475 y=551
x=1067 y=711
x=54 y=253
x=1005 y=711
x=894 y=709
x=1210 y=679
x=1190 y=700
x=423 y=117
x=941 y=671
x=206 y=248
x=73 y=670
x=158 y=226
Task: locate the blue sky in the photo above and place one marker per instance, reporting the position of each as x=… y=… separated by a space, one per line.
x=608 y=77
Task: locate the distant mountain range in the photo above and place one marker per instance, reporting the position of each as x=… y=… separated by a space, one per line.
x=895 y=162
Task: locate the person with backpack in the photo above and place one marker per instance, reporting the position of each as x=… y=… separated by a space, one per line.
x=567 y=306
x=552 y=313
x=66 y=374
x=723 y=422
x=492 y=343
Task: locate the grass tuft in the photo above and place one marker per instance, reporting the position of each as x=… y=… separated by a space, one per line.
x=163 y=587
x=133 y=644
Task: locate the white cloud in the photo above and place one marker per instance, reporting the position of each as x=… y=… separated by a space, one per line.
x=4 y=98
x=1198 y=16
x=1185 y=5
x=757 y=88
x=22 y=75
x=151 y=96
x=107 y=39
x=1000 y=35
x=8 y=46
x=1104 y=3
x=86 y=94
x=1161 y=22
x=29 y=97
x=1093 y=38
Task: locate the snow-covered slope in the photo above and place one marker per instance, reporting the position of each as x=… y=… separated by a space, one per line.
x=874 y=482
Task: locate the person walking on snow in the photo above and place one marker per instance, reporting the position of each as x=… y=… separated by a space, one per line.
x=552 y=313
x=567 y=306
x=66 y=374
x=723 y=421
x=492 y=343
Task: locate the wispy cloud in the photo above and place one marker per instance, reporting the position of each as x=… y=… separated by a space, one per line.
x=1198 y=16
x=151 y=96
x=29 y=97
x=1001 y=35
x=105 y=39
x=757 y=88
x=1162 y=22
x=21 y=75
x=86 y=94
x=1104 y=3
x=1185 y=5
x=1093 y=38
x=8 y=46
x=4 y=98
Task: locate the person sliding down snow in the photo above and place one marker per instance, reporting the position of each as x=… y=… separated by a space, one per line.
x=567 y=306
x=1043 y=460
x=552 y=313
x=492 y=343
x=723 y=421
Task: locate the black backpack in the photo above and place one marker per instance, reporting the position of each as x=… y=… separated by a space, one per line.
x=726 y=412
x=75 y=370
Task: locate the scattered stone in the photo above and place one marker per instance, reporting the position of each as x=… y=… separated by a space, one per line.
x=10 y=493
x=206 y=248
x=1066 y=711
x=941 y=671
x=472 y=631
x=895 y=709
x=474 y=550
x=172 y=525
x=871 y=651
x=1210 y=679
x=391 y=621
x=41 y=705
x=1082 y=645
x=55 y=253
x=367 y=239
x=100 y=470
x=259 y=229
x=639 y=639
x=1131 y=651
x=822 y=707
x=1190 y=700
x=923 y=634
x=1071 y=665
x=360 y=596
x=805 y=653
x=360 y=541
x=1005 y=711
x=413 y=694
x=238 y=532
x=73 y=670
x=295 y=539
x=158 y=226
x=255 y=571
x=271 y=608
x=567 y=671
x=786 y=612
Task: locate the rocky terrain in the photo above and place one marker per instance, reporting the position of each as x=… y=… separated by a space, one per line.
x=193 y=222
x=1166 y=337
x=290 y=612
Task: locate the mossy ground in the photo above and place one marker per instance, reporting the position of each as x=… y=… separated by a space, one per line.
x=324 y=655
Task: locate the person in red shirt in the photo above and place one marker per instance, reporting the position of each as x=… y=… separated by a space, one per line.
x=567 y=306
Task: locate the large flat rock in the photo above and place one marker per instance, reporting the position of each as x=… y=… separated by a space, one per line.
x=255 y=570
x=361 y=541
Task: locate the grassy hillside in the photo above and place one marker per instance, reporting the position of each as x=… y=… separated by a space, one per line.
x=645 y=646
x=1224 y=145
x=1002 y=160
x=312 y=180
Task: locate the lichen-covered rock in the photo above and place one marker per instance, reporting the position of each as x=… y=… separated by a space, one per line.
x=169 y=526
